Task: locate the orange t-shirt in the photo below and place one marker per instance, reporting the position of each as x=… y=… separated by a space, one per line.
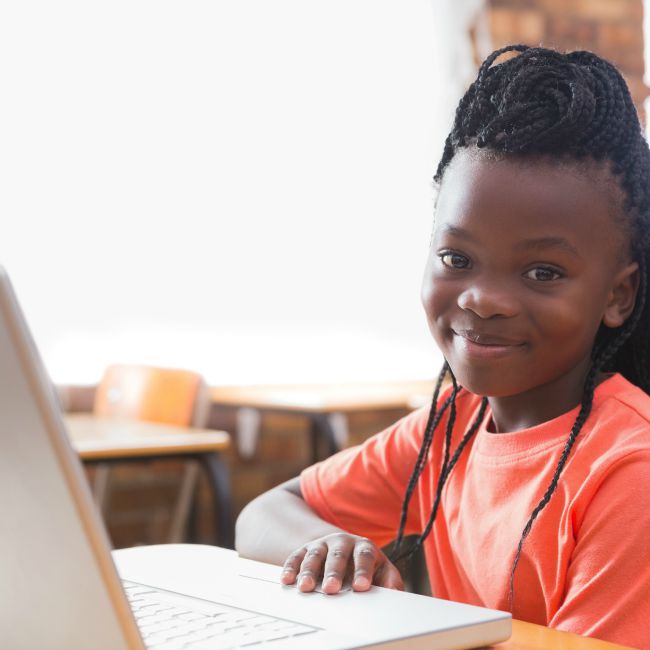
x=585 y=566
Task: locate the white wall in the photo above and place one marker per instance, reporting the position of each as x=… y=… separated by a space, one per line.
x=238 y=186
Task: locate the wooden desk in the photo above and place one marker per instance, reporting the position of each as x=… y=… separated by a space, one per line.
x=526 y=636
x=102 y=440
x=325 y=405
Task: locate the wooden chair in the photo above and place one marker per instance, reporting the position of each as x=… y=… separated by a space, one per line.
x=163 y=395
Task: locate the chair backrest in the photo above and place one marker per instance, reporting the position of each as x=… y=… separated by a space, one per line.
x=166 y=395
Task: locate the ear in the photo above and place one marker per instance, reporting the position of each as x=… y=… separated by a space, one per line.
x=622 y=296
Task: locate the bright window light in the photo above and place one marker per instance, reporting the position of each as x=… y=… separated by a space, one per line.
x=241 y=187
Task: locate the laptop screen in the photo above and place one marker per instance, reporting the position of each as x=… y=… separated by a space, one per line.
x=59 y=585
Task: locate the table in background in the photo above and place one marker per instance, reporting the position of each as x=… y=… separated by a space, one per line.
x=106 y=440
x=326 y=406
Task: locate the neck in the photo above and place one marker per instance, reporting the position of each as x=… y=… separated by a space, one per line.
x=540 y=404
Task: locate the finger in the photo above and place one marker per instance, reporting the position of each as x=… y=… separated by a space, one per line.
x=389 y=576
x=312 y=566
x=365 y=562
x=338 y=557
x=292 y=566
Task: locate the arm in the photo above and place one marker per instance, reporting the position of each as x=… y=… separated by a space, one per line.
x=280 y=528
x=276 y=523
x=360 y=489
x=608 y=580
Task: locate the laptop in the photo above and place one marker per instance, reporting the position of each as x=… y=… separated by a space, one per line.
x=62 y=588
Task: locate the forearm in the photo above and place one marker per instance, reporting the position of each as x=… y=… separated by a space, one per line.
x=276 y=523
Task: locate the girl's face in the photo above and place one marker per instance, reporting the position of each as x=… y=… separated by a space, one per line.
x=526 y=262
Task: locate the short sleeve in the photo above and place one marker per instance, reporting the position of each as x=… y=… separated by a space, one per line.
x=361 y=489
x=608 y=579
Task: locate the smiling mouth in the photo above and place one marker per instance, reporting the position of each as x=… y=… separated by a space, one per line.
x=482 y=344
x=481 y=338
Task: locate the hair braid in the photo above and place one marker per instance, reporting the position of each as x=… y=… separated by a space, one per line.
x=450 y=425
x=444 y=475
x=447 y=466
x=432 y=422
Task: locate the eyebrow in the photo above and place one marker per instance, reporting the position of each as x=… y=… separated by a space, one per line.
x=540 y=243
x=549 y=242
x=461 y=233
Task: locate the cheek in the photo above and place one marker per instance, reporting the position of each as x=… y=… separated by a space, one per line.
x=435 y=301
x=570 y=325
x=428 y=294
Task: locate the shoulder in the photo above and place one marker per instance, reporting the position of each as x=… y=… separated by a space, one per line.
x=622 y=412
x=618 y=390
x=619 y=491
x=612 y=455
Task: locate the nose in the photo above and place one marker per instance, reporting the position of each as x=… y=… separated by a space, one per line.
x=489 y=299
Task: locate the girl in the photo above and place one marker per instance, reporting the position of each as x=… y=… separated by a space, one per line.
x=528 y=481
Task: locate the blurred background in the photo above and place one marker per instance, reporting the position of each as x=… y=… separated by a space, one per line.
x=242 y=188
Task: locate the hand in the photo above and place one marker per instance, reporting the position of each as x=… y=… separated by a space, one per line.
x=332 y=556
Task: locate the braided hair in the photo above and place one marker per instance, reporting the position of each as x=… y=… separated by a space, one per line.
x=575 y=108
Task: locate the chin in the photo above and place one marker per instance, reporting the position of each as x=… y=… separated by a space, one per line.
x=490 y=384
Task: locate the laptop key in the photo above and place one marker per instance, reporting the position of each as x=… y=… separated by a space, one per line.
x=193 y=616
x=169 y=645
x=154 y=628
x=254 y=638
x=156 y=639
x=151 y=619
x=133 y=589
x=186 y=629
x=154 y=608
x=222 y=642
x=299 y=630
x=202 y=635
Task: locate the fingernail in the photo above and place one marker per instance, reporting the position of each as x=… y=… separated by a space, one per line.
x=330 y=582
x=362 y=582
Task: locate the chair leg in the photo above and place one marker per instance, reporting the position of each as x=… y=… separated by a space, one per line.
x=218 y=477
x=101 y=486
x=182 y=507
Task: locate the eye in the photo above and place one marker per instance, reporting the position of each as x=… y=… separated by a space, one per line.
x=542 y=274
x=454 y=260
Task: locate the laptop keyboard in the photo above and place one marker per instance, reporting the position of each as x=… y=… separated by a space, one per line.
x=172 y=622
